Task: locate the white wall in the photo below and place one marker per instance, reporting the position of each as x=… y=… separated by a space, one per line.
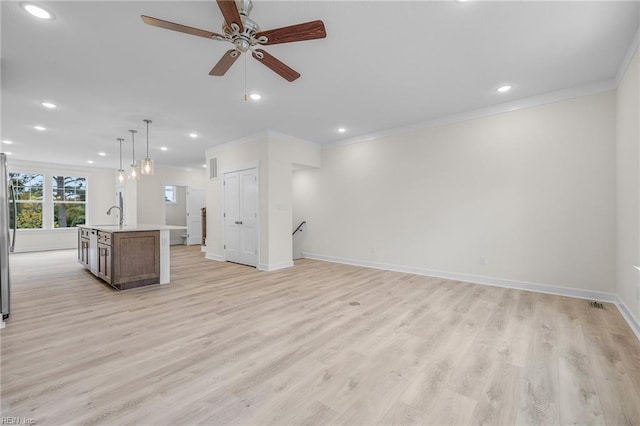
x=176 y=214
x=284 y=152
x=526 y=195
x=628 y=187
x=150 y=191
x=275 y=154
x=251 y=150
x=100 y=195
x=130 y=201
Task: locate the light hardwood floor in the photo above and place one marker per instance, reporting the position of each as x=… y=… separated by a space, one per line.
x=319 y=343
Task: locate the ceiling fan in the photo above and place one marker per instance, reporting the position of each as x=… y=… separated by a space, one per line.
x=246 y=35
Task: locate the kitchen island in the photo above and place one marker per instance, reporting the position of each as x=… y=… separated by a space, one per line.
x=126 y=256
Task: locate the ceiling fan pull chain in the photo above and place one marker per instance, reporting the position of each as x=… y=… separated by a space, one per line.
x=245 y=77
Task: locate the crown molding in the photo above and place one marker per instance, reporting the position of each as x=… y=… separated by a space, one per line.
x=631 y=51
x=533 y=101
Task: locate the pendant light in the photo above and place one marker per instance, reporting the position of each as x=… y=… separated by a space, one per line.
x=121 y=174
x=134 y=174
x=147 y=163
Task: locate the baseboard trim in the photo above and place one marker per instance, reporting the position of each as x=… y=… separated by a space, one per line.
x=203 y=249
x=212 y=256
x=274 y=266
x=628 y=317
x=496 y=282
x=46 y=248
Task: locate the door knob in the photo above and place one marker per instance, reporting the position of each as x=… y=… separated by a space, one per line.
x=238 y=222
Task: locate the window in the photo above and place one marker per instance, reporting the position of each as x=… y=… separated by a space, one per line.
x=170 y=194
x=49 y=200
x=69 y=201
x=29 y=197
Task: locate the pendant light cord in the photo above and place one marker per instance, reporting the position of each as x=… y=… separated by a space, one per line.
x=133 y=146
x=147 y=121
x=120 y=140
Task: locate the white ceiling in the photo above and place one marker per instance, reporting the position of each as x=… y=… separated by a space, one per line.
x=382 y=65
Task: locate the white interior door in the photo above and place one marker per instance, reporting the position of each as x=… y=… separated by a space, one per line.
x=195 y=202
x=232 y=216
x=241 y=217
x=249 y=217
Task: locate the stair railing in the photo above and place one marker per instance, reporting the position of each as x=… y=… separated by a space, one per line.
x=299 y=228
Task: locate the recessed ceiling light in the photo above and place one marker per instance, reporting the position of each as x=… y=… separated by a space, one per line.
x=90 y=161
x=164 y=148
x=49 y=105
x=341 y=129
x=204 y=165
x=40 y=128
x=504 y=89
x=37 y=11
x=9 y=153
x=102 y=154
x=188 y=169
x=7 y=142
x=193 y=135
x=255 y=96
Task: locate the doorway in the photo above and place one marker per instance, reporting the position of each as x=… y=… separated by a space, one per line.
x=241 y=216
x=195 y=203
x=183 y=207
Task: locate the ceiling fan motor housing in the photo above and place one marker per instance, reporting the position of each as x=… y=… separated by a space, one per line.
x=244 y=7
x=247 y=38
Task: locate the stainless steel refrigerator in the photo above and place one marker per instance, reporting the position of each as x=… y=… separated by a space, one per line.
x=7 y=236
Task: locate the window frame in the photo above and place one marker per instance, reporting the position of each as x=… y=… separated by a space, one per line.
x=56 y=202
x=174 y=191
x=47 y=201
x=31 y=201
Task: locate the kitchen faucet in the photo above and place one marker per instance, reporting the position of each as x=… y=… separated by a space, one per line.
x=119 y=209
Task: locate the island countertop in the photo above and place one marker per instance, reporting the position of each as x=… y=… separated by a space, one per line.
x=127 y=256
x=126 y=228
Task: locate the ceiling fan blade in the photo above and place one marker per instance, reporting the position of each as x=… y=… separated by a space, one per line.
x=225 y=62
x=276 y=66
x=230 y=12
x=299 y=32
x=178 y=27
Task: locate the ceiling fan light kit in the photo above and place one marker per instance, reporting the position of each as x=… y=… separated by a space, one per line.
x=245 y=34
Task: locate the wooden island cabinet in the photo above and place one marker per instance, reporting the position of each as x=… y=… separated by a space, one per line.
x=125 y=258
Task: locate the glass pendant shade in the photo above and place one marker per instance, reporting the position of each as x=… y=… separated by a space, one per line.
x=134 y=174
x=147 y=164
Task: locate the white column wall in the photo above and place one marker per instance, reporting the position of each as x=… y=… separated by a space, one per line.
x=275 y=154
x=628 y=187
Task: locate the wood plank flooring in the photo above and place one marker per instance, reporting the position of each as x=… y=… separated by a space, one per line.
x=316 y=344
